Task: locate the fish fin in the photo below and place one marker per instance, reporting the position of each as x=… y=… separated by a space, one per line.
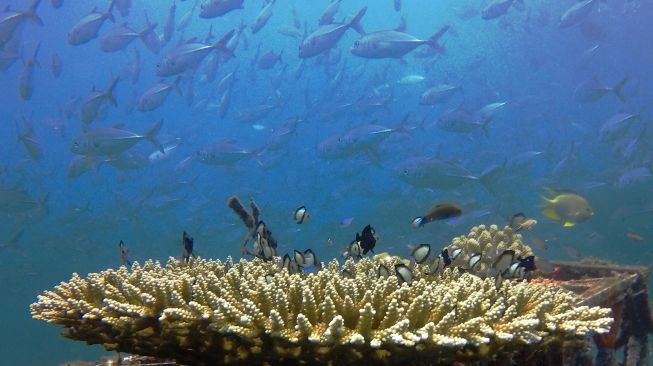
x=569 y=224
x=402 y=25
x=148 y=29
x=109 y=92
x=374 y=156
x=109 y=13
x=355 y=22
x=551 y=214
x=31 y=12
x=433 y=40
x=151 y=135
x=221 y=45
x=551 y=193
x=617 y=89
x=175 y=85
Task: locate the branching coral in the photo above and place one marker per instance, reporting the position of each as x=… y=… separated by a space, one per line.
x=490 y=243
x=218 y=312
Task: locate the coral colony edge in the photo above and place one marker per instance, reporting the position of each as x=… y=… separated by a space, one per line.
x=204 y=311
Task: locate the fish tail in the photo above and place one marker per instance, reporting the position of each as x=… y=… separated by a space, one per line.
x=221 y=45
x=355 y=22
x=433 y=40
x=151 y=135
x=109 y=13
x=175 y=85
x=43 y=201
x=35 y=54
x=617 y=89
x=403 y=127
x=109 y=92
x=31 y=12
x=148 y=29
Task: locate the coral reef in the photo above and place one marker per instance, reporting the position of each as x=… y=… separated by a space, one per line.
x=208 y=312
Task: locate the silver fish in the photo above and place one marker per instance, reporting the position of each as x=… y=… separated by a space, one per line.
x=119 y=37
x=27 y=75
x=90 y=105
x=225 y=152
x=81 y=164
x=188 y=55
x=576 y=13
x=11 y=19
x=112 y=140
x=327 y=36
x=433 y=173
x=89 y=26
x=438 y=94
x=362 y=139
x=496 y=9
x=218 y=8
x=55 y=65
x=154 y=97
x=594 y=89
x=169 y=26
x=263 y=17
x=329 y=12
x=392 y=43
x=29 y=140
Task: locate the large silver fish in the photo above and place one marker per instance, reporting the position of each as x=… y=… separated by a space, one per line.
x=87 y=28
x=263 y=17
x=218 y=8
x=438 y=94
x=329 y=12
x=11 y=19
x=90 y=105
x=576 y=13
x=110 y=141
x=156 y=95
x=188 y=55
x=433 y=173
x=27 y=75
x=392 y=43
x=121 y=36
x=327 y=36
x=17 y=200
x=593 y=89
x=496 y=9
x=362 y=139
x=224 y=152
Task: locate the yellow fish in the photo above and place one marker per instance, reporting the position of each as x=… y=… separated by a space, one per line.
x=567 y=207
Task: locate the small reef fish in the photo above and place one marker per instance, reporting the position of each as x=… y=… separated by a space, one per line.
x=519 y=221
x=404 y=274
x=187 y=241
x=440 y=211
x=305 y=262
x=567 y=207
x=634 y=237
x=572 y=252
x=124 y=254
x=301 y=214
x=540 y=244
x=364 y=242
x=346 y=222
x=367 y=239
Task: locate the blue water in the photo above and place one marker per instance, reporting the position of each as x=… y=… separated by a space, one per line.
x=544 y=136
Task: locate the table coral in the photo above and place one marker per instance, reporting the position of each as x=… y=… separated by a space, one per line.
x=209 y=311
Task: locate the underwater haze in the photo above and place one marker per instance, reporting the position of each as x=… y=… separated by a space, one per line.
x=137 y=120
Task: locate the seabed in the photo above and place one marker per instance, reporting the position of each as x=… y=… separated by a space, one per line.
x=595 y=282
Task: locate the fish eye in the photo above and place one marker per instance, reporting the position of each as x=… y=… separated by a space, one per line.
x=405 y=171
